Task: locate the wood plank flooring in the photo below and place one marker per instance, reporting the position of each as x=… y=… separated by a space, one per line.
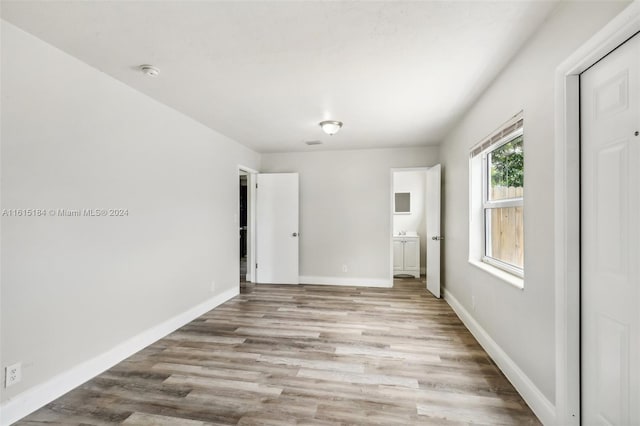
x=306 y=355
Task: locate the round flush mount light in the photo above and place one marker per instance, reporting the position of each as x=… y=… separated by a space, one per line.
x=149 y=70
x=331 y=127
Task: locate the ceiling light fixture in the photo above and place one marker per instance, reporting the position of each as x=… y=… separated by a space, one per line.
x=331 y=127
x=149 y=70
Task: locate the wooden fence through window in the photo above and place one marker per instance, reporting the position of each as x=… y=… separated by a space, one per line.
x=507 y=228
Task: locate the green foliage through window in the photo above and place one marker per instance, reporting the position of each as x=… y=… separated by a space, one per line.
x=507 y=164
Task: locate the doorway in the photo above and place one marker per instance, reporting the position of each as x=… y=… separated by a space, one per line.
x=409 y=226
x=415 y=225
x=245 y=221
x=243 y=217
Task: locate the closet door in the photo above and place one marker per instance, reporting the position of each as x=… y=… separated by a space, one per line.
x=610 y=238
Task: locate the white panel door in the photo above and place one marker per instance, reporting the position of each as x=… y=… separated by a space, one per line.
x=433 y=230
x=610 y=194
x=277 y=228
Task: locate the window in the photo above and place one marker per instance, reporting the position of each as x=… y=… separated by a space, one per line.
x=497 y=187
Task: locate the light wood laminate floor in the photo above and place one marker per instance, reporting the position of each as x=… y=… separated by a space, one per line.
x=307 y=355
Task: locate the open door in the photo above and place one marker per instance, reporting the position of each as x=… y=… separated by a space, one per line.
x=277 y=228
x=433 y=230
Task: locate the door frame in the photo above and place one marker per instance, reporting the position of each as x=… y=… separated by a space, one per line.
x=391 y=204
x=251 y=220
x=567 y=205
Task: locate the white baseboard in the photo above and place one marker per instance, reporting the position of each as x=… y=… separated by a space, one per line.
x=40 y=395
x=352 y=282
x=541 y=406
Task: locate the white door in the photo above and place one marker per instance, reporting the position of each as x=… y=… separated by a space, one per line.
x=610 y=238
x=433 y=230
x=277 y=228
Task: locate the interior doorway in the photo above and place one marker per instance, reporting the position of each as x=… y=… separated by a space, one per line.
x=415 y=225
x=243 y=209
x=409 y=223
x=246 y=226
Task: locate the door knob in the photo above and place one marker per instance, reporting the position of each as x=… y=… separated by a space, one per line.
x=295 y=234
x=437 y=238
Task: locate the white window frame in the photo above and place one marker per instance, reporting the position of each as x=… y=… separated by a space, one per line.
x=478 y=174
x=488 y=205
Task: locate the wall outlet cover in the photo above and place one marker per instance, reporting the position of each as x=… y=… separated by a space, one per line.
x=12 y=374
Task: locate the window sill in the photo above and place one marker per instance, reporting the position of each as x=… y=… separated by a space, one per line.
x=511 y=279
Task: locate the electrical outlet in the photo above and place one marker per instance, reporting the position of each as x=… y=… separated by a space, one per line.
x=12 y=374
x=345 y=268
x=473 y=302
x=213 y=286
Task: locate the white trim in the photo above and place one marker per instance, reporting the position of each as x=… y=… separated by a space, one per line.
x=38 y=396
x=541 y=406
x=567 y=206
x=351 y=282
x=247 y=169
x=509 y=278
x=503 y=204
x=504 y=266
x=251 y=227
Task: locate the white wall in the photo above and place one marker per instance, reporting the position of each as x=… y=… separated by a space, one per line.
x=73 y=137
x=345 y=206
x=413 y=182
x=521 y=322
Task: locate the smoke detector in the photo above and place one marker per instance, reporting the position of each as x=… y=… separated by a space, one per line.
x=149 y=70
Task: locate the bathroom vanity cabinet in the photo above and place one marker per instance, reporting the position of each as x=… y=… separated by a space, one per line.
x=406 y=255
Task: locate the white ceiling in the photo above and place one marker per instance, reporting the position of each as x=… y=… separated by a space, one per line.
x=265 y=73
